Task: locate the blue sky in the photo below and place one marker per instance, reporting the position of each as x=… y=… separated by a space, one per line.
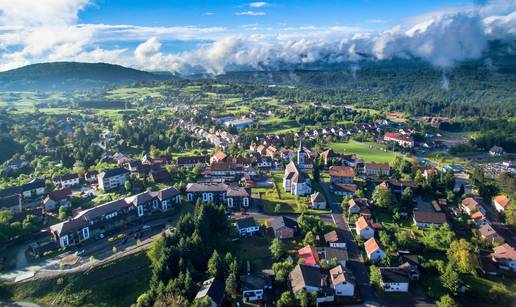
x=216 y=36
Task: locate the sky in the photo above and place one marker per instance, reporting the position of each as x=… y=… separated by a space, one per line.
x=213 y=36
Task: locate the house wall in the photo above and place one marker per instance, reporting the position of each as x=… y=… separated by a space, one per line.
x=395 y=287
x=344 y=289
x=366 y=233
x=376 y=255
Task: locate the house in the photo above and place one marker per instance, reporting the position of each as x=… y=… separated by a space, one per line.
x=359 y=206
x=247 y=226
x=317 y=201
x=91 y=177
x=112 y=215
x=487 y=233
x=261 y=149
x=255 y=287
x=344 y=189
x=264 y=162
x=295 y=180
x=239 y=123
x=341 y=174
x=331 y=253
x=112 y=178
x=501 y=202
x=426 y=219
x=496 y=151
x=377 y=169
x=191 y=161
x=479 y=218
x=219 y=193
x=66 y=181
x=271 y=151
x=505 y=257
x=363 y=228
x=304 y=277
x=284 y=227
x=402 y=140
x=309 y=255
x=342 y=281
x=160 y=175
x=373 y=250
x=219 y=156
x=212 y=290
x=394 y=279
x=471 y=205
x=56 y=199
x=328 y=156
x=11 y=203
x=335 y=238
x=33 y=188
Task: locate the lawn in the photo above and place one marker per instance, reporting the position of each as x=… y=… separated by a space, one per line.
x=369 y=151
x=255 y=250
x=118 y=283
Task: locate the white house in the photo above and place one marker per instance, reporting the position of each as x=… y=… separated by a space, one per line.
x=247 y=226
x=255 y=287
x=363 y=228
x=335 y=238
x=342 y=281
x=112 y=178
x=66 y=181
x=373 y=250
x=395 y=279
x=501 y=202
x=505 y=257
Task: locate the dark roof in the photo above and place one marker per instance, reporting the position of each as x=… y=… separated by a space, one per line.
x=167 y=193
x=283 y=221
x=255 y=281
x=113 y=172
x=430 y=217
x=91 y=174
x=214 y=289
x=10 y=201
x=304 y=275
x=58 y=195
x=237 y=192
x=246 y=222
x=192 y=160
x=33 y=184
x=206 y=187
x=335 y=236
x=391 y=275
x=160 y=174
x=10 y=191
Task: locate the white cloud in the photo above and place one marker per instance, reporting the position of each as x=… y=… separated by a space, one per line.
x=209 y=13
x=40 y=12
x=251 y=13
x=258 y=4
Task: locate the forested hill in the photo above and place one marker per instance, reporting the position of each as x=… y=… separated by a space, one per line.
x=68 y=76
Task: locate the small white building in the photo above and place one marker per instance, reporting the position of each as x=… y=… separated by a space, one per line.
x=363 y=228
x=342 y=281
x=395 y=279
x=501 y=202
x=247 y=226
x=373 y=250
x=255 y=287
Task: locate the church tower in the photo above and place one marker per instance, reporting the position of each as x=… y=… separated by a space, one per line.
x=300 y=156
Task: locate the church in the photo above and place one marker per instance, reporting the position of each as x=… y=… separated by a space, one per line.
x=295 y=180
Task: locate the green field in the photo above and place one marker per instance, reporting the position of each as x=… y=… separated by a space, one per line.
x=369 y=151
x=118 y=283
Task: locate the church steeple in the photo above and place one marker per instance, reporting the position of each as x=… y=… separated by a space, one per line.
x=300 y=156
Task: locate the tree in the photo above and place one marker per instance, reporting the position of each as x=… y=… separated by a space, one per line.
x=281 y=270
x=156 y=250
x=383 y=197
x=309 y=239
x=406 y=199
x=63 y=213
x=375 y=277
x=316 y=173
x=215 y=265
x=447 y=301
x=276 y=248
x=461 y=255
x=286 y=299
x=450 y=279
x=128 y=186
x=304 y=298
x=232 y=285
x=360 y=194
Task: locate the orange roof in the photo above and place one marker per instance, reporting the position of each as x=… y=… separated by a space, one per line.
x=309 y=254
x=219 y=155
x=504 y=253
x=502 y=200
x=342 y=171
x=361 y=223
x=371 y=246
x=477 y=216
x=380 y=166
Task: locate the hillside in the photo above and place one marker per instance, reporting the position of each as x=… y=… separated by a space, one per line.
x=69 y=76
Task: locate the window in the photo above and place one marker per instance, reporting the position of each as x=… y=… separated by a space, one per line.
x=230 y=202
x=140 y=210
x=190 y=196
x=86 y=233
x=155 y=204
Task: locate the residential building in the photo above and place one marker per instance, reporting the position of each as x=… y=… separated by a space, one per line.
x=284 y=227
x=377 y=169
x=295 y=180
x=219 y=193
x=91 y=177
x=331 y=253
x=317 y=201
x=33 y=188
x=402 y=140
x=342 y=281
x=488 y=233
x=191 y=161
x=112 y=178
x=426 y=219
x=219 y=156
x=344 y=189
x=255 y=287
x=11 y=203
x=363 y=228
x=505 y=257
x=56 y=199
x=501 y=202
x=309 y=255
x=304 y=277
x=341 y=174
x=160 y=174
x=247 y=226
x=335 y=238
x=359 y=206
x=212 y=290
x=373 y=250
x=470 y=205
x=394 y=279
x=496 y=151
x=66 y=181
x=114 y=214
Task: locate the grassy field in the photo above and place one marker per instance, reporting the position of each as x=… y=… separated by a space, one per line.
x=369 y=151
x=129 y=93
x=117 y=283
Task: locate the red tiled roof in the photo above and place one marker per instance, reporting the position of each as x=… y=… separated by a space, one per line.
x=309 y=254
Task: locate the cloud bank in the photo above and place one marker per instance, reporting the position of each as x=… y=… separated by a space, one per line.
x=47 y=30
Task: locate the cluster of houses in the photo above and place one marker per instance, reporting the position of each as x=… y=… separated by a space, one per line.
x=217 y=137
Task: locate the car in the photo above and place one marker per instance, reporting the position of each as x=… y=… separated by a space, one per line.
x=80 y=252
x=145 y=227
